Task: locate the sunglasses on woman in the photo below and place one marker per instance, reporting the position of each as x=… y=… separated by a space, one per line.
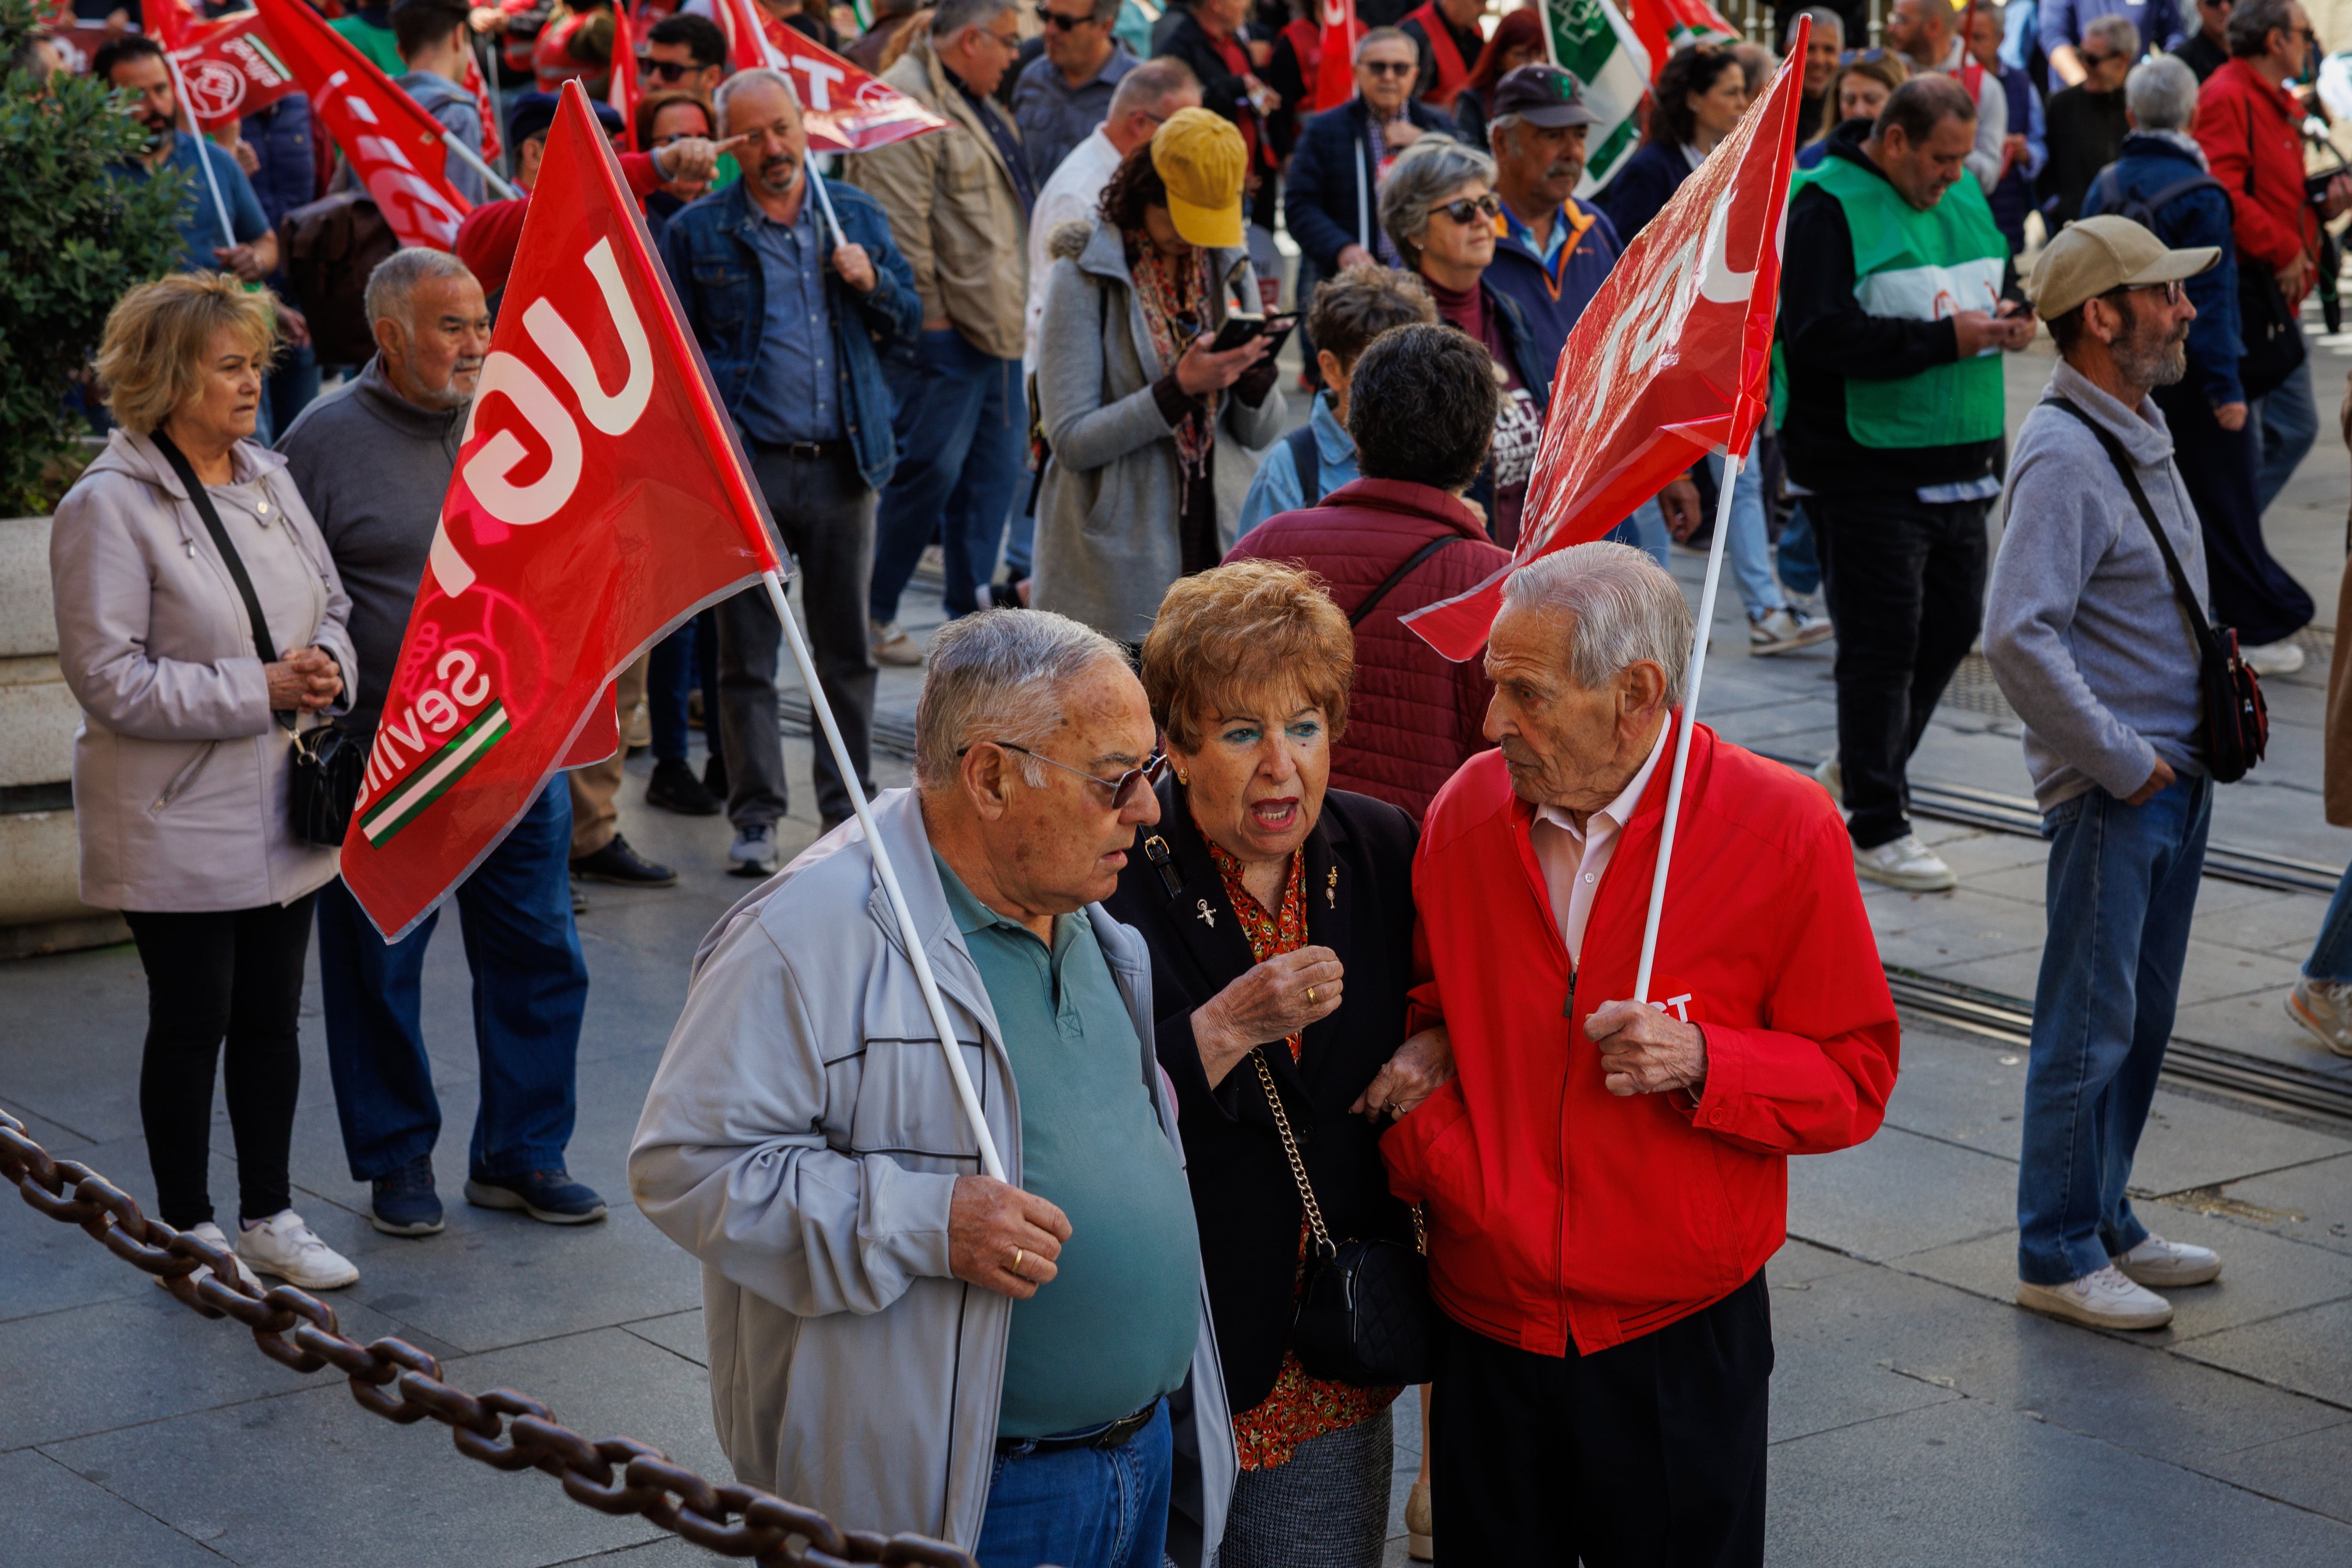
x=1123 y=789
x=1467 y=210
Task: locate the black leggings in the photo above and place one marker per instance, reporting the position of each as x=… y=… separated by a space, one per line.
x=228 y=973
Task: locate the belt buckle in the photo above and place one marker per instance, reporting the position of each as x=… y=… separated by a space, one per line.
x=805 y=451
x=1117 y=1434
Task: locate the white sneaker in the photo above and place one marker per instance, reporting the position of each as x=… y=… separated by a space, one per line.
x=1906 y=863
x=2158 y=1263
x=1830 y=777
x=1783 y=629
x=893 y=646
x=2105 y=1300
x=282 y=1245
x=2323 y=1007
x=210 y=1232
x=754 y=853
x=2273 y=657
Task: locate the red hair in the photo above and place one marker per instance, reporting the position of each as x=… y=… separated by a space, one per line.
x=1522 y=29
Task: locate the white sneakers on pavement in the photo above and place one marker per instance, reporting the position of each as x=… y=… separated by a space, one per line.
x=1830 y=777
x=754 y=853
x=282 y=1245
x=1783 y=629
x=1905 y=863
x=210 y=1232
x=2163 y=1265
x=2323 y=1007
x=2105 y=1300
x=2273 y=657
x=893 y=646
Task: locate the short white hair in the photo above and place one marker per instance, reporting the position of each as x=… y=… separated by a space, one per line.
x=1824 y=21
x=743 y=78
x=2161 y=93
x=1000 y=676
x=2119 y=33
x=392 y=288
x=1627 y=609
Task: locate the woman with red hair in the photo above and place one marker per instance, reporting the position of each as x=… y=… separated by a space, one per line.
x=1517 y=41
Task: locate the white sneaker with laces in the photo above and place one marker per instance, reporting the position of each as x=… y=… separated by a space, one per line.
x=210 y=1232
x=2323 y=1007
x=2167 y=1265
x=1906 y=863
x=2105 y=1300
x=282 y=1245
x=2273 y=657
x=1783 y=629
x=1830 y=777
x=754 y=853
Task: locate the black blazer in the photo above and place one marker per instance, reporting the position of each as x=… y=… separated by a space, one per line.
x=1359 y=904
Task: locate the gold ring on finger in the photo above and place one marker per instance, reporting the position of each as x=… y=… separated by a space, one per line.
x=1310 y=995
x=1018 y=1254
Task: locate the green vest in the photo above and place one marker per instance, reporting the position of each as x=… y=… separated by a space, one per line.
x=1921 y=266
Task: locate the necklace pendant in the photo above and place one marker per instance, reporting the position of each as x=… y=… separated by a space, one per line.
x=1208 y=915
x=1331 y=889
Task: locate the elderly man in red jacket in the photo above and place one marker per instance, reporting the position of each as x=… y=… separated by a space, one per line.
x=1604 y=1180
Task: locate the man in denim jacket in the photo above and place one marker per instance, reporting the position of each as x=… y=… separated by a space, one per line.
x=792 y=322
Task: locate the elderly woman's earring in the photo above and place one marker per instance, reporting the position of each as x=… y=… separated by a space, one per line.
x=1182 y=778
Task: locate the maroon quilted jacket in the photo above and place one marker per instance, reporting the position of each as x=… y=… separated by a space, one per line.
x=1413 y=716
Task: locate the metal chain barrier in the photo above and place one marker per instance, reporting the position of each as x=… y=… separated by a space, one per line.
x=394 y=1379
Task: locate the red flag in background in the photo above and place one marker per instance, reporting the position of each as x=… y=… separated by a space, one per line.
x=599 y=500
x=844 y=109
x=229 y=67
x=1335 y=67
x=393 y=146
x=621 y=85
x=1669 y=361
x=1666 y=25
x=493 y=138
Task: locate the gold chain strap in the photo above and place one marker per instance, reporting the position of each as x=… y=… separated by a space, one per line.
x=1290 y=1149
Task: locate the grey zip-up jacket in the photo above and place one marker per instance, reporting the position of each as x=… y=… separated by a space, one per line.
x=803 y=1138
x=2082 y=628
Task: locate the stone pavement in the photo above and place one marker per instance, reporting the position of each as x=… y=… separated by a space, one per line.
x=1918 y=1417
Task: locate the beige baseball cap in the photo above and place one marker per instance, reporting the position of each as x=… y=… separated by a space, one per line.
x=2093 y=255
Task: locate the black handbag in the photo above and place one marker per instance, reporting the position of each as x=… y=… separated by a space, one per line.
x=2236 y=720
x=1364 y=1313
x=2269 y=333
x=328 y=759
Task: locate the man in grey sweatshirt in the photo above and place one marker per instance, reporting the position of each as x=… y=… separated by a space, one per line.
x=434 y=37
x=2086 y=631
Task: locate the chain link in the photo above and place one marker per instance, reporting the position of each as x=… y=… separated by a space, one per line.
x=394 y=1379
x=1323 y=1247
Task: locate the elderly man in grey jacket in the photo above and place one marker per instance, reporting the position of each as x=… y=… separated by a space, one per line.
x=895 y=1337
x=2087 y=630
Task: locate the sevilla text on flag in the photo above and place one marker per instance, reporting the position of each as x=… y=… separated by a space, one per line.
x=599 y=500
x=1669 y=361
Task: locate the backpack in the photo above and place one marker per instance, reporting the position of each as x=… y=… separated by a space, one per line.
x=2142 y=210
x=1308 y=460
x=328 y=248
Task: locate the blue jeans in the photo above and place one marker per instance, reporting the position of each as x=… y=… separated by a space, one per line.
x=669 y=676
x=2123 y=886
x=530 y=987
x=1082 y=1508
x=2286 y=423
x=1751 y=552
x=1800 y=563
x=1645 y=530
x=960 y=439
x=2331 y=955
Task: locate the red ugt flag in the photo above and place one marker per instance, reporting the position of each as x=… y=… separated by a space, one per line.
x=1335 y=62
x=230 y=70
x=599 y=499
x=621 y=82
x=846 y=109
x=1666 y=25
x=394 y=147
x=1667 y=363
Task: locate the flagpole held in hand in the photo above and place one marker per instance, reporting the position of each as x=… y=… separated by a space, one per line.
x=989 y=1159
x=203 y=158
x=473 y=160
x=826 y=201
x=1731 y=464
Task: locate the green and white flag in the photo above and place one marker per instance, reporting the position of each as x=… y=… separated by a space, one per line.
x=1593 y=38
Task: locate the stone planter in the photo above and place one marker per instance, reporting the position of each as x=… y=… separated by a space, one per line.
x=40 y=911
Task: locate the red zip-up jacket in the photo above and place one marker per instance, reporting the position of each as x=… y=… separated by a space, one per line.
x=1557 y=1211
x=2248 y=130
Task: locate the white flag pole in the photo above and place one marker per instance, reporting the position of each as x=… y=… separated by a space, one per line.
x=989 y=1159
x=826 y=201
x=204 y=156
x=1731 y=464
x=473 y=160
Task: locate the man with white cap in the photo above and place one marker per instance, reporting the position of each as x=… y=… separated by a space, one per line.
x=2087 y=627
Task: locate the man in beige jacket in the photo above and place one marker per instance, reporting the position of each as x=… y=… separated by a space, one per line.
x=959 y=202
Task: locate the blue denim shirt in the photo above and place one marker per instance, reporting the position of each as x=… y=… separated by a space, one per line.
x=713 y=258
x=1054 y=117
x=790 y=397
x=1275 y=488
x=200 y=229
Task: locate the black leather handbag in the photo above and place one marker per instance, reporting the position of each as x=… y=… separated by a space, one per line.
x=328 y=759
x=1364 y=1312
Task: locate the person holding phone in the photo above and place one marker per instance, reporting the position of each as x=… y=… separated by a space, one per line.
x=1154 y=430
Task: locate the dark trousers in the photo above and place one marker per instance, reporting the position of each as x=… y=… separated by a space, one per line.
x=669 y=676
x=233 y=975
x=963 y=434
x=1903 y=580
x=1651 y=1452
x=530 y=990
x=825 y=514
x=2250 y=591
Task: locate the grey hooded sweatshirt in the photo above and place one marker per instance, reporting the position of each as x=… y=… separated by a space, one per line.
x=2082 y=628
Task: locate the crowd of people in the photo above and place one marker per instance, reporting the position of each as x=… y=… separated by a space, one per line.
x=1270 y=928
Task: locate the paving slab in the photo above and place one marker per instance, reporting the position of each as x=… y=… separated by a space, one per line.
x=51 y=1516
x=680 y=1333
x=1926 y=932
x=246 y=1480
x=2311 y=1204
x=1899 y=1194
x=2309 y=1471
x=2309 y=1351
x=1965 y=1483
